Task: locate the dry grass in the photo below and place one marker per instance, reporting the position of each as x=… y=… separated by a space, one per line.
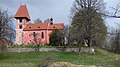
x=17 y=65
x=68 y=64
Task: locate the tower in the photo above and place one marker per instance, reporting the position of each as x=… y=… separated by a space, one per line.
x=22 y=17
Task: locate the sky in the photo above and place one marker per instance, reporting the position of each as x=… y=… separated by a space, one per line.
x=112 y=22
x=59 y=10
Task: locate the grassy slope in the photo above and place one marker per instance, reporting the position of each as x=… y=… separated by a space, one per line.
x=33 y=59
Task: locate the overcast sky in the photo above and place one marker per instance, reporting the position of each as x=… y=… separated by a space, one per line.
x=112 y=22
x=59 y=10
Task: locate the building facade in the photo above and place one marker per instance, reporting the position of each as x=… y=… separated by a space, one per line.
x=27 y=33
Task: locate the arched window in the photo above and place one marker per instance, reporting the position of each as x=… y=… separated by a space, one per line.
x=20 y=20
x=34 y=34
x=42 y=34
x=20 y=27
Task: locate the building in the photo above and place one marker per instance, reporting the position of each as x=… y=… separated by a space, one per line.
x=27 y=33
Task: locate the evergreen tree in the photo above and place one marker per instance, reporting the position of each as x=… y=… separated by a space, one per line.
x=56 y=38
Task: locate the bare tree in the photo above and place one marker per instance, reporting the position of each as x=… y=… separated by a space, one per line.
x=47 y=20
x=7 y=28
x=115 y=14
x=115 y=42
x=38 y=20
x=66 y=35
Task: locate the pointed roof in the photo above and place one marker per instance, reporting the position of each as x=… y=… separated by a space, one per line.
x=22 y=12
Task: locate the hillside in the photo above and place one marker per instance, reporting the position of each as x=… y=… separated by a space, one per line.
x=34 y=59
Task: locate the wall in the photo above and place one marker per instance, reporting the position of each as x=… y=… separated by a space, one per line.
x=87 y=50
x=28 y=37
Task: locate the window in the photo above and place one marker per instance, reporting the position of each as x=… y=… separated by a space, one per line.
x=42 y=34
x=20 y=20
x=34 y=34
x=20 y=27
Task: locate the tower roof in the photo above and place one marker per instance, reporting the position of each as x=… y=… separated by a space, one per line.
x=22 y=12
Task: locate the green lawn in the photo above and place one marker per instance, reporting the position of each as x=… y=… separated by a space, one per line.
x=34 y=59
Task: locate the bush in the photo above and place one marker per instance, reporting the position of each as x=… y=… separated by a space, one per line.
x=3 y=48
x=56 y=38
x=115 y=46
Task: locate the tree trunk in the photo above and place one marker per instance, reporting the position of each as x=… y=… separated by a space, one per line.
x=89 y=41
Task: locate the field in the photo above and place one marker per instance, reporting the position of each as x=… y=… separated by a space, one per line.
x=36 y=59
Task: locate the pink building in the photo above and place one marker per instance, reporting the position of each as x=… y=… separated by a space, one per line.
x=27 y=33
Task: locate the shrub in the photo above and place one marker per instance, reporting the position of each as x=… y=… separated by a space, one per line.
x=115 y=45
x=3 y=48
x=56 y=38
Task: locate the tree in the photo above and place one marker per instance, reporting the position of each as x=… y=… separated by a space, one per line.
x=7 y=27
x=47 y=20
x=66 y=35
x=87 y=22
x=38 y=20
x=115 y=40
x=115 y=44
x=56 y=38
x=7 y=30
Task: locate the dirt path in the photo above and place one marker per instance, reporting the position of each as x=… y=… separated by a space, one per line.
x=68 y=64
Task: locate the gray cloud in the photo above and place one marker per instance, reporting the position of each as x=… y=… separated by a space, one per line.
x=58 y=9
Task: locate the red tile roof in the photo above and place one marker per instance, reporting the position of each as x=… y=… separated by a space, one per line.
x=22 y=12
x=45 y=26
x=56 y=26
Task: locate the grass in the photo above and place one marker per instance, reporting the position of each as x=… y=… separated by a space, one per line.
x=35 y=59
